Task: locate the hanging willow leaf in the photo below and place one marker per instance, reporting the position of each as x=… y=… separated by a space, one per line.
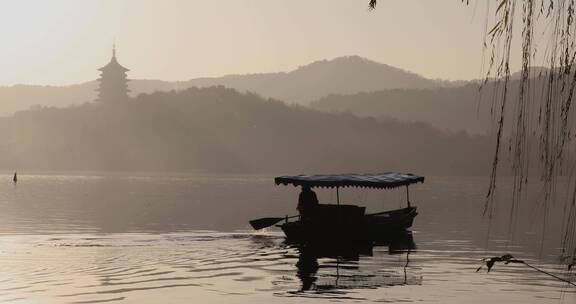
x=495 y=28
x=501 y=5
x=372 y=4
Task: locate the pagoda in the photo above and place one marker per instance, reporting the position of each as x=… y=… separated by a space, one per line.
x=113 y=81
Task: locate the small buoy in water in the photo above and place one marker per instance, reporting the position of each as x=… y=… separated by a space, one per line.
x=15 y=178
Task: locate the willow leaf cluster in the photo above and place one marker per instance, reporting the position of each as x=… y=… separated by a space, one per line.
x=540 y=119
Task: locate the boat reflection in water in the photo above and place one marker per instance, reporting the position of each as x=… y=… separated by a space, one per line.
x=334 y=267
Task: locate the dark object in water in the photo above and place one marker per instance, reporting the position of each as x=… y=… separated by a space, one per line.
x=347 y=253
x=349 y=222
x=15 y=178
x=323 y=221
x=508 y=259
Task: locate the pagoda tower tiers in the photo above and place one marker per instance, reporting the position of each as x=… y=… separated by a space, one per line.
x=113 y=81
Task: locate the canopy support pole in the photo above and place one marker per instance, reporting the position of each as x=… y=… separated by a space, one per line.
x=337 y=195
x=408 y=196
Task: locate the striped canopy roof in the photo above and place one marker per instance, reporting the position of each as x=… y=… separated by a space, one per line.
x=377 y=180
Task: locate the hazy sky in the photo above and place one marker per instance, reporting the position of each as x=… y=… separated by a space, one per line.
x=65 y=41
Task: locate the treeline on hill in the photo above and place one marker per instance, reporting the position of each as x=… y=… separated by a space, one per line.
x=454 y=109
x=221 y=130
x=467 y=108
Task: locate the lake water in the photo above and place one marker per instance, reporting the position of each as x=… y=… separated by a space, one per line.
x=152 y=238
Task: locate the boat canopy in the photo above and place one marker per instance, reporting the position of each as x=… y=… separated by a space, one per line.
x=377 y=180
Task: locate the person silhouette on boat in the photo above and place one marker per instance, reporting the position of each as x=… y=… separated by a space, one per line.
x=307 y=203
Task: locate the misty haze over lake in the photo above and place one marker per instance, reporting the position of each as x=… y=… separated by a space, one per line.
x=284 y=151
x=158 y=185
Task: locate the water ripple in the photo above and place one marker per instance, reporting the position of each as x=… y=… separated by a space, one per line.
x=85 y=268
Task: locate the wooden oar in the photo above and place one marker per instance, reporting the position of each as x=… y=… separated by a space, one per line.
x=265 y=222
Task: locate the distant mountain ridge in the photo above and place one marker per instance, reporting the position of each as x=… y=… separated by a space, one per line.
x=342 y=75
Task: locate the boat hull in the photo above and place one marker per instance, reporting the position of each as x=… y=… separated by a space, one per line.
x=370 y=227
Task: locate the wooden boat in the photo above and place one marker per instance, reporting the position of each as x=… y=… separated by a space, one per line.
x=339 y=221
